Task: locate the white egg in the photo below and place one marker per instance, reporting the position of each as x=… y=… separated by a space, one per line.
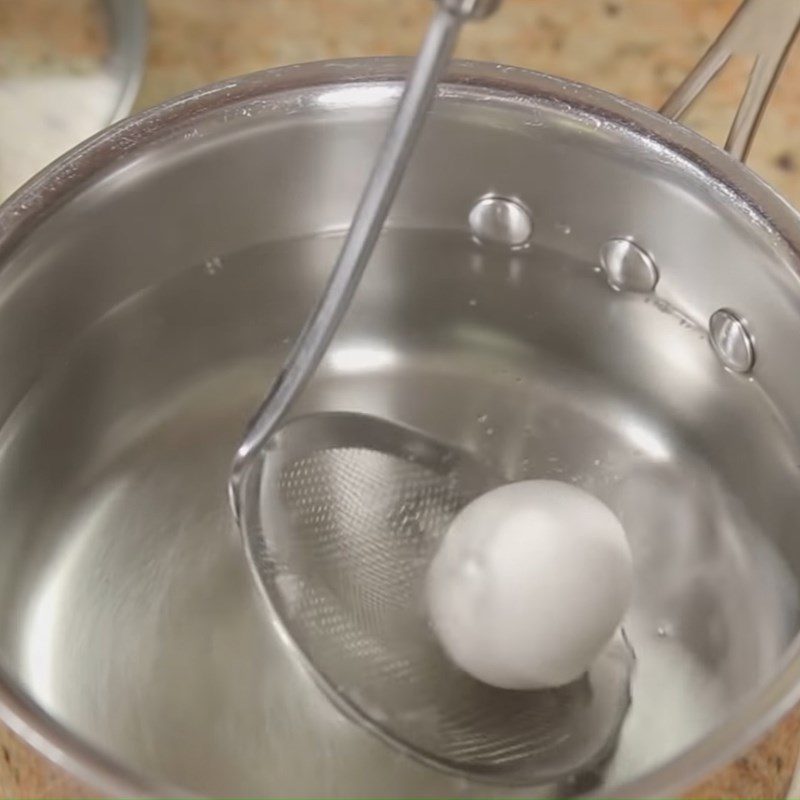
x=530 y=582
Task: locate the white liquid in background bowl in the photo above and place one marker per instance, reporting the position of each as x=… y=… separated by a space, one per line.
x=43 y=116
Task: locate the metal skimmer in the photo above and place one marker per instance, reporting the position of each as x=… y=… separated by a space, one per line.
x=342 y=513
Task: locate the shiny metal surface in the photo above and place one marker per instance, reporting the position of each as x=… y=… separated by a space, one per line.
x=341 y=520
x=628 y=268
x=376 y=200
x=500 y=220
x=762 y=30
x=133 y=649
x=731 y=340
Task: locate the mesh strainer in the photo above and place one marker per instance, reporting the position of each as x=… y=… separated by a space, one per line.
x=342 y=513
x=348 y=512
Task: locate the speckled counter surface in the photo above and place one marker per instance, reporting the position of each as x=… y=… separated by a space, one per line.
x=637 y=48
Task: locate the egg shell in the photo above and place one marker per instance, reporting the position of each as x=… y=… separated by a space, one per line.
x=529 y=584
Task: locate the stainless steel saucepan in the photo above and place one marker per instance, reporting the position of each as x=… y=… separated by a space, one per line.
x=570 y=286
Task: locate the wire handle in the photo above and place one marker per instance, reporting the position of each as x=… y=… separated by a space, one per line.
x=377 y=197
x=764 y=29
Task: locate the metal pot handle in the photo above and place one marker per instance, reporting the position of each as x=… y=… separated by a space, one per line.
x=764 y=29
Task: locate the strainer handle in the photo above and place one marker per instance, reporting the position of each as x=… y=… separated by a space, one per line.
x=762 y=29
x=370 y=215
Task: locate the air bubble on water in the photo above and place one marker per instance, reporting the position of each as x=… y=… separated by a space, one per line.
x=597 y=462
x=565 y=229
x=212 y=265
x=489 y=431
x=473 y=302
x=664 y=630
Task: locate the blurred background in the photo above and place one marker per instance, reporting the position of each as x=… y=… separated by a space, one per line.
x=63 y=62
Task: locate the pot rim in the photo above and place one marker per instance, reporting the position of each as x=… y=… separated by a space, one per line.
x=22 y=212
